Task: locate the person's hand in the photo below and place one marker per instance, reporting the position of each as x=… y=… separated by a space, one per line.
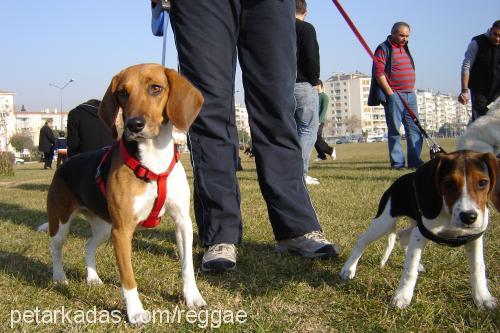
x=464 y=97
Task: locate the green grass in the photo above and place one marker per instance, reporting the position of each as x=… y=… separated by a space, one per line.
x=280 y=293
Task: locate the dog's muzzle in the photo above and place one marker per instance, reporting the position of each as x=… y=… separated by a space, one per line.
x=135 y=124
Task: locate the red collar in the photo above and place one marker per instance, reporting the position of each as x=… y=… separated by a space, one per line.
x=147 y=175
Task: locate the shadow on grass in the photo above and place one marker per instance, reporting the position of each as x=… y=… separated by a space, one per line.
x=142 y=241
x=358 y=178
x=260 y=270
x=33 y=187
x=19 y=215
x=23 y=268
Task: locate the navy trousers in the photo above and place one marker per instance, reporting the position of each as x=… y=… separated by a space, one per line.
x=210 y=36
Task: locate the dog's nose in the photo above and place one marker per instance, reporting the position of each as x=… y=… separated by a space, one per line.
x=136 y=124
x=468 y=217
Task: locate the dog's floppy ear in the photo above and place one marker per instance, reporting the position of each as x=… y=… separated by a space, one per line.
x=493 y=164
x=109 y=107
x=184 y=101
x=427 y=187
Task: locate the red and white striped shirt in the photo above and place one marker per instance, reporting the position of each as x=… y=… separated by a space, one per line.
x=402 y=75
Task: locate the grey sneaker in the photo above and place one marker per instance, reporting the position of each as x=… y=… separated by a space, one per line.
x=219 y=258
x=310 y=245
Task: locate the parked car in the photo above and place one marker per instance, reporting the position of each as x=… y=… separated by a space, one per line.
x=18 y=161
x=343 y=140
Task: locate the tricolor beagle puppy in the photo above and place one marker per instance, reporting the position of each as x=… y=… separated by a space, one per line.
x=136 y=182
x=446 y=200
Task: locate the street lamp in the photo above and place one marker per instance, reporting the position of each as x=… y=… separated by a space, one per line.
x=61 y=89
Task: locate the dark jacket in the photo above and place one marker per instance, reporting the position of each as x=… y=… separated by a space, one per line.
x=377 y=94
x=307 y=53
x=86 y=131
x=46 y=140
x=485 y=71
x=61 y=143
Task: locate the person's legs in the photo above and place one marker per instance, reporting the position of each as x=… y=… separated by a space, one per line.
x=307 y=119
x=48 y=157
x=321 y=146
x=267 y=47
x=413 y=135
x=479 y=105
x=393 y=113
x=206 y=35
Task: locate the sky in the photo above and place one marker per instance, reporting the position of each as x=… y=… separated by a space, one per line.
x=89 y=41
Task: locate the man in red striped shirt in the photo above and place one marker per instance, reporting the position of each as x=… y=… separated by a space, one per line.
x=394 y=71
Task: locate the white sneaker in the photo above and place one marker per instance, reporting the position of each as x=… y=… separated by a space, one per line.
x=311 y=181
x=334 y=154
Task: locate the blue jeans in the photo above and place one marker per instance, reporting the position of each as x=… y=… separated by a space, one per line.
x=307 y=118
x=395 y=113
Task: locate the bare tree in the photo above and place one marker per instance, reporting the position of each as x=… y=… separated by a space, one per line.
x=352 y=124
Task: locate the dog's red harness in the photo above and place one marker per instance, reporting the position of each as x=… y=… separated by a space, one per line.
x=140 y=171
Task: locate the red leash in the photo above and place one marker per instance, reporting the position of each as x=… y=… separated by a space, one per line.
x=435 y=148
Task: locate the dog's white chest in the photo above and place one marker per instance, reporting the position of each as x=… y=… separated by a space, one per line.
x=143 y=204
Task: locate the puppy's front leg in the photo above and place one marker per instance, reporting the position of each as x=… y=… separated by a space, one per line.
x=480 y=292
x=404 y=293
x=122 y=243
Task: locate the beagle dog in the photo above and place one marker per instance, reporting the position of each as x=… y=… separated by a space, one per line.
x=121 y=197
x=446 y=201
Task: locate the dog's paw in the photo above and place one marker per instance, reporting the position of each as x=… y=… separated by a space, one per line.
x=488 y=303
x=92 y=277
x=421 y=268
x=60 y=279
x=347 y=273
x=400 y=300
x=138 y=316
x=94 y=280
x=193 y=298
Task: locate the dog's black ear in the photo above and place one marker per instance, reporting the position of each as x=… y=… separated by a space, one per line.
x=184 y=101
x=427 y=187
x=108 y=110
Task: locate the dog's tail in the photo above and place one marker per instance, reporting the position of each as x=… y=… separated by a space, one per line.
x=391 y=241
x=43 y=227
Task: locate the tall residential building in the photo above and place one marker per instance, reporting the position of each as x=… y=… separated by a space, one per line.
x=348 y=110
x=438 y=109
x=241 y=118
x=427 y=110
x=7 y=119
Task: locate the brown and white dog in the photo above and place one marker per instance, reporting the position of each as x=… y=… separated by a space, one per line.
x=152 y=100
x=446 y=200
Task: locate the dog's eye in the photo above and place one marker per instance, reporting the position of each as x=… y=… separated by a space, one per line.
x=122 y=94
x=482 y=184
x=450 y=186
x=155 y=89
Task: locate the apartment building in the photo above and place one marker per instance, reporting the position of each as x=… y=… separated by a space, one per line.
x=241 y=118
x=348 y=110
x=438 y=109
x=7 y=119
x=29 y=123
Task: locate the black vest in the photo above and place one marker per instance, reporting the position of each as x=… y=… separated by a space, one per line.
x=485 y=72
